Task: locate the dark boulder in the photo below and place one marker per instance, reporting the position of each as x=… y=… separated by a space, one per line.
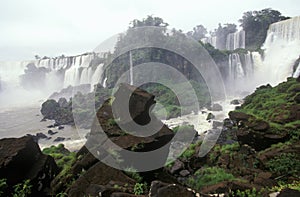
x=239 y=116
x=139 y=108
x=210 y=116
x=41 y=136
x=235 y=102
x=177 y=166
x=140 y=102
x=62 y=102
x=22 y=159
x=50 y=132
x=289 y=193
x=160 y=189
x=99 y=174
x=59 y=139
x=50 y=109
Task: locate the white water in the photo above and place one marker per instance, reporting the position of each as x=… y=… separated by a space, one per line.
x=282 y=48
x=235 y=40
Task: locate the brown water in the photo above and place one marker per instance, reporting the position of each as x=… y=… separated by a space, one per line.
x=17 y=122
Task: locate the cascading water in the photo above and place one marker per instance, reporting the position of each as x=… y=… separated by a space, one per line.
x=282 y=48
x=235 y=40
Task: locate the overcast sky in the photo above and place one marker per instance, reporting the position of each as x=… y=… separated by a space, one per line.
x=70 y=27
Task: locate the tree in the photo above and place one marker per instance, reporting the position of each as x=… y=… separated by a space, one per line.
x=149 y=21
x=37 y=57
x=256 y=24
x=198 y=32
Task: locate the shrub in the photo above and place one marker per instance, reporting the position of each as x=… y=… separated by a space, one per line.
x=3 y=186
x=286 y=163
x=22 y=189
x=139 y=188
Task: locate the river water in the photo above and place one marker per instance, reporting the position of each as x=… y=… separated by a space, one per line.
x=20 y=121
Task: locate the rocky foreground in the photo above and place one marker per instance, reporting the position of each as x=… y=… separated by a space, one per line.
x=257 y=154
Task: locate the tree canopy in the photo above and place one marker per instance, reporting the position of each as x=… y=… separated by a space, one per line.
x=256 y=24
x=149 y=21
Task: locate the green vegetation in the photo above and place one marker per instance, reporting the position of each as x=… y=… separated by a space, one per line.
x=190 y=151
x=111 y=122
x=294 y=185
x=63 y=158
x=169 y=100
x=3 y=186
x=274 y=105
x=140 y=188
x=22 y=189
x=209 y=176
x=246 y=193
x=284 y=164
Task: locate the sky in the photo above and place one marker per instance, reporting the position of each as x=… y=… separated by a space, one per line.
x=71 y=27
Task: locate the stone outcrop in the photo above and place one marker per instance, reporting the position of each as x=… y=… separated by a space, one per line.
x=21 y=159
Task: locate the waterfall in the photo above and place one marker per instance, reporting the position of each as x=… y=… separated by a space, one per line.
x=235 y=40
x=241 y=68
x=297 y=72
x=130 y=68
x=97 y=75
x=282 y=48
x=211 y=40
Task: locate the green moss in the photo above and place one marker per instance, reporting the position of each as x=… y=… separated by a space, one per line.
x=209 y=176
x=228 y=148
x=63 y=158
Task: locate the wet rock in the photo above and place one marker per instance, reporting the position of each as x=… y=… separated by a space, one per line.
x=50 y=109
x=235 y=102
x=184 y=173
x=50 y=126
x=59 y=139
x=60 y=127
x=178 y=165
x=228 y=123
x=50 y=132
x=62 y=102
x=210 y=116
x=41 y=136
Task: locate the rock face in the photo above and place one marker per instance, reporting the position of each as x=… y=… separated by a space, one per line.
x=139 y=105
x=99 y=177
x=59 y=111
x=22 y=159
x=255 y=132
